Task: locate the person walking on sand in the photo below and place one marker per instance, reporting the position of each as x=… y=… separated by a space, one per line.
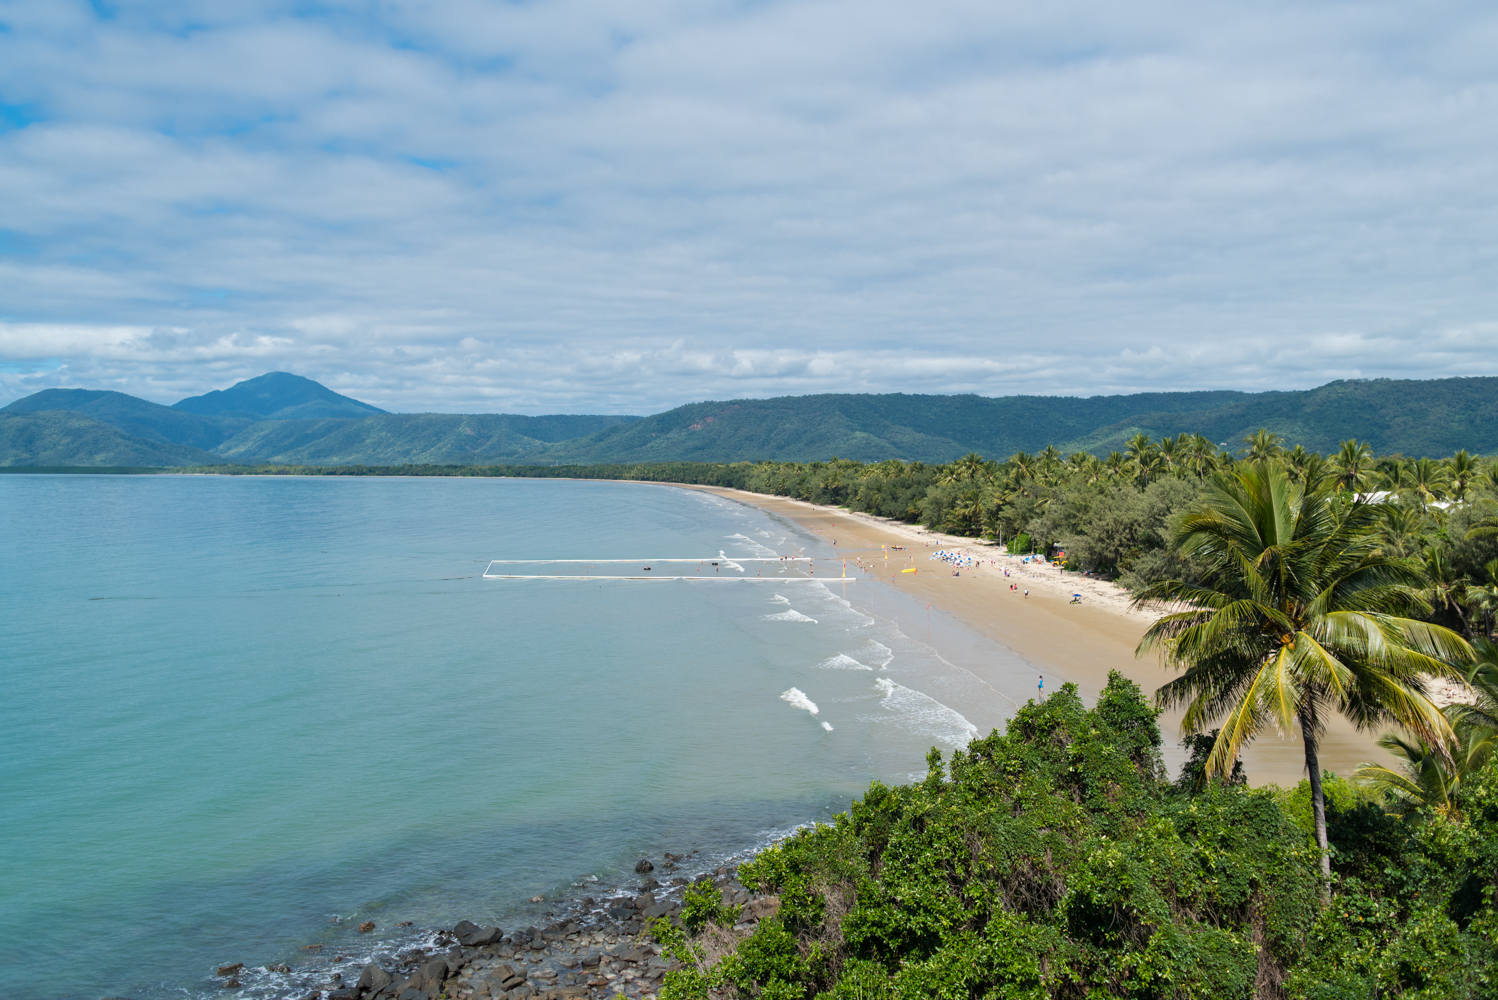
x=1027 y=593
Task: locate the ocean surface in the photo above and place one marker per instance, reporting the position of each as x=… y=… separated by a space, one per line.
x=242 y=715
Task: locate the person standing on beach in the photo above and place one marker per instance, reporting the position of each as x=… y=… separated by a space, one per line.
x=1027 y=593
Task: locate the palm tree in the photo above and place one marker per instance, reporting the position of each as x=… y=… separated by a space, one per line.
x=1170 y=450
x=1406 y=531
x=1485 y=597
x=1395 y=471
x=1445 y=587
x=1142 y=455
x=1295 y=462
x=1482 y=679
x=1464 y=471
x=1262 y=446
x=1428 y=480
x=1151 y=466
x=969 y=467
x=1354 y=465
x=1317 y=472
x=1199 y=455
x=1301 y=616
x=1429 y=776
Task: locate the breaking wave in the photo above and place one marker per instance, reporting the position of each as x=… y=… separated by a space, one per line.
x=796 y=698
x=922 y=714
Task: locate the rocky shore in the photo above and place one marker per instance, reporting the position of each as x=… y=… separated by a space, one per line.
x=595 y=948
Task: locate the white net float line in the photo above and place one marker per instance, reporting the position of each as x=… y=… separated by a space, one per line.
x=721 y=562
x=599 y=562
x=652 y=576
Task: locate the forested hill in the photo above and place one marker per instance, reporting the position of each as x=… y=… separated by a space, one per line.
x=1417 y=418
x=283 y=418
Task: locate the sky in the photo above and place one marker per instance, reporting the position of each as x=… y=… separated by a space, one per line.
x=619 y=206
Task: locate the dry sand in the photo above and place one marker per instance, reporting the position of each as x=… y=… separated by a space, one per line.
x=1079 y=643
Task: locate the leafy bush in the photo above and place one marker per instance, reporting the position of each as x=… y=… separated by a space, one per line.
x=1058 y=859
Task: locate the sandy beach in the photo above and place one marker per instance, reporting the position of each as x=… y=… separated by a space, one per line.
x=1079 y=643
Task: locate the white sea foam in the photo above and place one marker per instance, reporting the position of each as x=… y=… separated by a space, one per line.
x=729 y=563
x=842 y=661
x=790 y=615
x=755 y=548
x=780 y=599
x=796 y=698
x=845 y=605
x=827 y=726
x=878 y=653
x=923 y=714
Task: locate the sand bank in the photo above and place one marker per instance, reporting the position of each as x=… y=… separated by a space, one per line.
x=1079 y=643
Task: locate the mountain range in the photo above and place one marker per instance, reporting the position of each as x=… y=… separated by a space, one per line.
x=282 y=418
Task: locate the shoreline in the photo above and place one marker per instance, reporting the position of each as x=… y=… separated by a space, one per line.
x=590 y=947
x=1078 y=643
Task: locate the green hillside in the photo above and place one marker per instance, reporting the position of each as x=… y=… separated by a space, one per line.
x=1417 y=418
x=868 y=427
x=136 y=417
x=56 y=438
x=395 y=438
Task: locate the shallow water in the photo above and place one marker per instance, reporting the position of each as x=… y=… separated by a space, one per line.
x=245 y=714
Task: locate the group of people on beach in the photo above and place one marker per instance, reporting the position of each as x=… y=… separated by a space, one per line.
x=960 y=560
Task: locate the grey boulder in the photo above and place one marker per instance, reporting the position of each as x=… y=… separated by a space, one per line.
x=471 y=935
x=373 y=978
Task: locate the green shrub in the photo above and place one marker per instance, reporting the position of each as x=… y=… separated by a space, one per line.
x=1058 y=859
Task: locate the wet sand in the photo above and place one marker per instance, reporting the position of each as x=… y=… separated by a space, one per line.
x=1079 y=643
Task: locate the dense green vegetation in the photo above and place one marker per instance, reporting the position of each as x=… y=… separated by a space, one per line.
x=57 y=438
x=1057 y=859
x=284 y=419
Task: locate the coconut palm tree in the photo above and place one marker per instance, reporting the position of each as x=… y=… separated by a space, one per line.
x=1428 y=481
x=1484 y=597
x=1317 y=472
x=1200 y=453
x=1142 y=456
x=1429 y=776
x=1262 y=446
x=1354 y=465
x=1295 y=462
x=1444 y=587
x=1482 y=680
x=1463 y=471
x=967 y=468
x=1301 y=616
x=1406 y=531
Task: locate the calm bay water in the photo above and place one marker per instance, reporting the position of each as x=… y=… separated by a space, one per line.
x=244 y=714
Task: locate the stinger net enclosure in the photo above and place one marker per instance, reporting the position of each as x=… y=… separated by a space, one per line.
x=720 y=567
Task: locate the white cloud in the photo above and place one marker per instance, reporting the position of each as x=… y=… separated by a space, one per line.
x=586 y=205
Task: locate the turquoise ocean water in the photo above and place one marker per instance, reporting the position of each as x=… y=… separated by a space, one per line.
x=242 y=715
